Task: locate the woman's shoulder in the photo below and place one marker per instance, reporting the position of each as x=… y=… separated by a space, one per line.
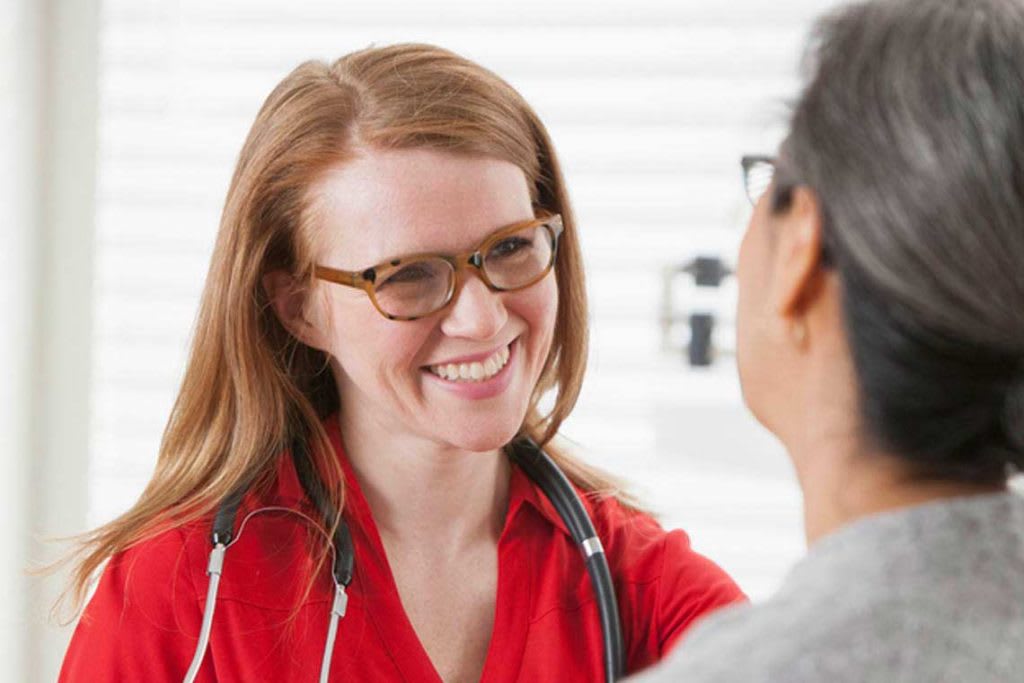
x=144 y=616
x=636 y=542
x=154 y=576
x=802 y=640
x=633 y=539
x=665 y=585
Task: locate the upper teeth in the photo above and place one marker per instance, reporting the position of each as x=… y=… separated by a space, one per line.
x=473 y=372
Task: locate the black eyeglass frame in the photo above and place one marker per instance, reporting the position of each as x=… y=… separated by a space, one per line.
x=751 y=161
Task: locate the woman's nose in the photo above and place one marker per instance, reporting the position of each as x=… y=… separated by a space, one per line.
x=476 y=312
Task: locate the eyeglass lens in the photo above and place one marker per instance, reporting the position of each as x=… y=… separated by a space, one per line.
x=422 y=286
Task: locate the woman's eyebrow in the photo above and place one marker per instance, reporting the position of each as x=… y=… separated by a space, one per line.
x=392 y=255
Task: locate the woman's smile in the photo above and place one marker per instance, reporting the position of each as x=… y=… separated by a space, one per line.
x=475 y=377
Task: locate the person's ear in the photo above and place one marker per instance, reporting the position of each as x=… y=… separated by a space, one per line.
x=288 y=300
x=798 y=275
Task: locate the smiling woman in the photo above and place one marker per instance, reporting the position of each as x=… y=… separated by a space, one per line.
x=402 y=398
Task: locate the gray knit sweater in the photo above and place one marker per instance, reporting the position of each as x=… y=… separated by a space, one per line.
x=929 y=593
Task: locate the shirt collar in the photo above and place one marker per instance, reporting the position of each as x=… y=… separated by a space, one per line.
x=523 y=492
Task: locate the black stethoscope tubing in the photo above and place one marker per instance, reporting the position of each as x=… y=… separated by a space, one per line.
x=535 y=463
x=539 y=467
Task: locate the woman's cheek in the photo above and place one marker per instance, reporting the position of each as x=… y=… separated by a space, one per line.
x=546 y=312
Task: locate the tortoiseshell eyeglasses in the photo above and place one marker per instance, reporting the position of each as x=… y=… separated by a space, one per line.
x=415 y=286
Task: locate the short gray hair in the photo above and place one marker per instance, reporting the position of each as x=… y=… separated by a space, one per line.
x=910 y=129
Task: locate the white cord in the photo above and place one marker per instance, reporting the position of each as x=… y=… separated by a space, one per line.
x=279 y=508
x=337 y=612
x=214 y=569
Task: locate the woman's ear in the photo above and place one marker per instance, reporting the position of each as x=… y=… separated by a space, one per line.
x=288 y=301
x=798 y=275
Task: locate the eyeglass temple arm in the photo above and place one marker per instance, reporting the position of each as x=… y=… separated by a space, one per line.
x=343 y=277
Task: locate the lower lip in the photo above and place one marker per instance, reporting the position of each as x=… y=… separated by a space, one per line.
x=479 y=390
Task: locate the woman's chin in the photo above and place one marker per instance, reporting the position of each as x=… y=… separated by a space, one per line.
x=482 y=437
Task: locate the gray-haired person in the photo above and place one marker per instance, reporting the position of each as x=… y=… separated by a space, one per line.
x=881 y=338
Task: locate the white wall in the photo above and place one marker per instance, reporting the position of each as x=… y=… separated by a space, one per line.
x=48 y=60
x=64 y=282
x=19 y=46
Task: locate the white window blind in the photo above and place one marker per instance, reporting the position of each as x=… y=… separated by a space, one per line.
x=650 y=104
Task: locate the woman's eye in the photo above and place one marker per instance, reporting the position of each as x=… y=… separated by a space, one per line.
x=509 y=246
x=408 y=275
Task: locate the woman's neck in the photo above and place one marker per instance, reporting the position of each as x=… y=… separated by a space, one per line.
x=842 y=483
x=843 y=478
x=420 y=491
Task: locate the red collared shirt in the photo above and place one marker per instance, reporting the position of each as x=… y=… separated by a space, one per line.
x=143 y=622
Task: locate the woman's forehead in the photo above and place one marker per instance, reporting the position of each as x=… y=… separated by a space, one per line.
x=387 y=203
